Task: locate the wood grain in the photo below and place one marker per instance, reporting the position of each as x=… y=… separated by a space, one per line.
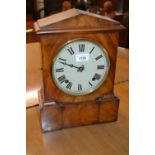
x=56 y=116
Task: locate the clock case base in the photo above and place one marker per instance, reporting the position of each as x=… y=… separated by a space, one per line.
x=56 y=116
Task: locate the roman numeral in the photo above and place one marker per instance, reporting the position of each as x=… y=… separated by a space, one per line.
x=100 y=56
x=62 y=78
x=62 y=59
x=70 y=50
x=59 y=69
x=91 y=50
x=100 y=67
x=96 y=77
x=79 y=87
x=69 y=85
x=90 y=84
x=81 y=47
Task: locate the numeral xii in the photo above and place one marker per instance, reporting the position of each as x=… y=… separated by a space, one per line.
x=81 y=47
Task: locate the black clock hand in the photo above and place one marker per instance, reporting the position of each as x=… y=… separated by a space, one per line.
x=80 y=69
x=70 y=65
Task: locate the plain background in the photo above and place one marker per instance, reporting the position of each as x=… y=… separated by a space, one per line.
x=13 y=77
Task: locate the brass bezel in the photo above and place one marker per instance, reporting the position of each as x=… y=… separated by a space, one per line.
x=101 y=82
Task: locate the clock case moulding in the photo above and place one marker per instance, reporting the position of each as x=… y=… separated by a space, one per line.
x=59 y=110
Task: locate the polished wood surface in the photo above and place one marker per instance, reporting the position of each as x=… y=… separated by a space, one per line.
x=56 y=116
x=101 y=139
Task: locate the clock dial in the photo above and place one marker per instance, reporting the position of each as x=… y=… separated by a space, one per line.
x=80 y=67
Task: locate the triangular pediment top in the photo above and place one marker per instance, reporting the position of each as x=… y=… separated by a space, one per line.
x=68 y=14
x=53 y=22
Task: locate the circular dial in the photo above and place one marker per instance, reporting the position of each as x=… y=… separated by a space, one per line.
x=80 y=67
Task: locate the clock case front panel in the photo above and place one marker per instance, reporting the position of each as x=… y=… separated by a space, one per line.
x=58 y=109
x=52 y=44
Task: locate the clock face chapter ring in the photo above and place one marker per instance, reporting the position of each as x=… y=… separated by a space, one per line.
x=80 y=67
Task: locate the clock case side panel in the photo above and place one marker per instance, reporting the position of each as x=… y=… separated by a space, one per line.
x=51 y=44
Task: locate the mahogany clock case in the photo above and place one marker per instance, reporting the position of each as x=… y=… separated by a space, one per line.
x=58 y=109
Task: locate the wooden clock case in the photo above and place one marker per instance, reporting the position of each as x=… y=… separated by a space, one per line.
x=58 y=109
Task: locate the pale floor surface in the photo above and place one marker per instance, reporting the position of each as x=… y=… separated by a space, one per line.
x=103 y=139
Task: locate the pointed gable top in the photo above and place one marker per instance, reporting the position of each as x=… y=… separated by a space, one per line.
x=75 y=20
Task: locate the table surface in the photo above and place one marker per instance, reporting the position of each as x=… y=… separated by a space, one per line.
x=101 y=139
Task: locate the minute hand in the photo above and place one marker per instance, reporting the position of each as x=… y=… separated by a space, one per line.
x=70 y=65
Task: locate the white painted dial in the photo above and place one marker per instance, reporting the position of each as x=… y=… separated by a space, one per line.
x=80 y=67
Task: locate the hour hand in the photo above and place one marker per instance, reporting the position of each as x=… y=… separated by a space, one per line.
x=80 y=69
x=70 y=65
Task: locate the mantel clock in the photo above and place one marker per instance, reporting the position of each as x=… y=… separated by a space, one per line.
x=79 y=51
